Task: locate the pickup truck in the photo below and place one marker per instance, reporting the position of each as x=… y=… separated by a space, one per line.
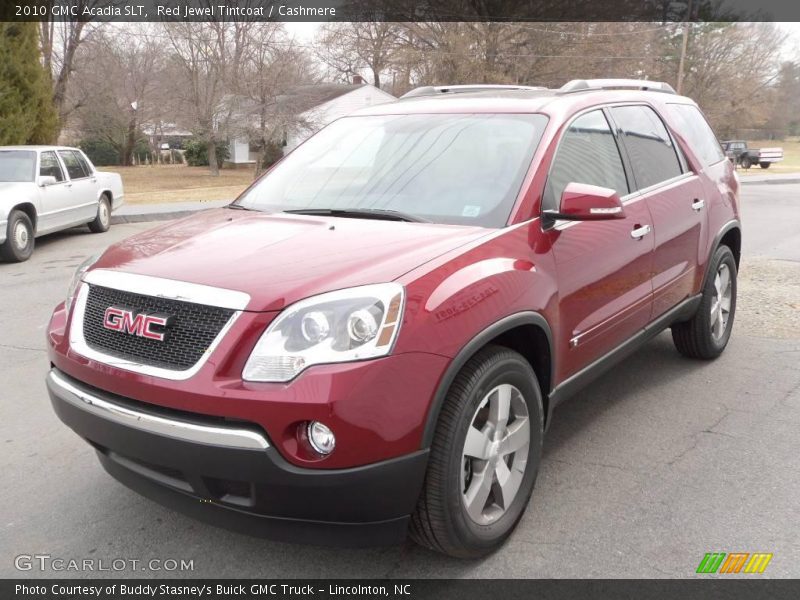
x=49 y=188
x=738 y=152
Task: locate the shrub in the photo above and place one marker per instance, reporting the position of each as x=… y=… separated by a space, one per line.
x=100 y=152
x=196 y=153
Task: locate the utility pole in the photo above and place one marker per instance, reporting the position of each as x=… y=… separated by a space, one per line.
x=684 y=46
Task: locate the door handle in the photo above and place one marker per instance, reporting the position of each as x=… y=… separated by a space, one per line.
x=698 y=204
x=640 y=232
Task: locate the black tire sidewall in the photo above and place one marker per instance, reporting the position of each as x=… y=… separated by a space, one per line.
x=513 y=370
x=12 y=250
x=722 y=255
x=97 y=226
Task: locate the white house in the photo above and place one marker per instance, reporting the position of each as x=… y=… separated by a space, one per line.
x=317 y=105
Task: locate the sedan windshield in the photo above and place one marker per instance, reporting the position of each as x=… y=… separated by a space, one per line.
x=444 y=168
x=17 y=165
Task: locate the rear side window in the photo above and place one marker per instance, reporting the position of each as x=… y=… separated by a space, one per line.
x=587 y=153
x=649 y=146
x=690 y=123
x=49 y=167
x=74 y=167
x=84 y=163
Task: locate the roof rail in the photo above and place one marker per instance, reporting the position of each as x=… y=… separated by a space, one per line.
x=585 y=85
x=430 y=90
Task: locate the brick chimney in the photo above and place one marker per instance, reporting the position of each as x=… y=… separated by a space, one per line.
x=358 y=80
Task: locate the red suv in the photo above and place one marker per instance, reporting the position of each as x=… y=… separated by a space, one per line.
x=372 y=338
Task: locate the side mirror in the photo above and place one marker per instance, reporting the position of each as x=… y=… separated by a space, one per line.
x=584 y=202
x=45 y=180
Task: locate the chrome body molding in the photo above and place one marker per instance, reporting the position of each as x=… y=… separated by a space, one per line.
x=91 y=402
x=168 y=288
x=159 y=288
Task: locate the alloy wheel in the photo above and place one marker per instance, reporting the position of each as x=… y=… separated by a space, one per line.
x=495 y=454
x=721 y=302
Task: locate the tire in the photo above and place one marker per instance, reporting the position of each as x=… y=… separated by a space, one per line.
x=442 y=521
x=703 y=337
x=746 y=162
x=764 y=165
x=20 y=240
x=102 y=222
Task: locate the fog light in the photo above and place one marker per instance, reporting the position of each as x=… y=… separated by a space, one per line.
x=321 y=437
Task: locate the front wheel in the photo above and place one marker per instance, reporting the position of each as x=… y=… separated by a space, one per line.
x=484 y=457
x=746 y=162
x=707 y=333
x=764 y=165
x=18 y=246
x=102 y=221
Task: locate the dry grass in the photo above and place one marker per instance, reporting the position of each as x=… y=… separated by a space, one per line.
x=789 y=164
x=168 y=183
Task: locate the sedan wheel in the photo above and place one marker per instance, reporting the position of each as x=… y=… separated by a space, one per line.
x=19 y=237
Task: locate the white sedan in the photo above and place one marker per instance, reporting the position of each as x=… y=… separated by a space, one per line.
x=49 y=188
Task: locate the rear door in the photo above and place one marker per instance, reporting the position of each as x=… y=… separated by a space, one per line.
x=84 y=207
x=675 y=197
x=603 y=267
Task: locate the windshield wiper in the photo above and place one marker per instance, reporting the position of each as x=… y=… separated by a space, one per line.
x=237 y=207
x=360 y=213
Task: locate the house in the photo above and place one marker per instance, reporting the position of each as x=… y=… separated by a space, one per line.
x=314 y=106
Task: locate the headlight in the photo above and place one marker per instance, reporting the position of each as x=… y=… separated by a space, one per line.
x=342 y=326
x=77 y=277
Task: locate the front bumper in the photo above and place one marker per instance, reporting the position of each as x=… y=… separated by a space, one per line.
x=230 y=474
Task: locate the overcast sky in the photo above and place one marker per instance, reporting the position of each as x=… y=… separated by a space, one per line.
x=305 y=32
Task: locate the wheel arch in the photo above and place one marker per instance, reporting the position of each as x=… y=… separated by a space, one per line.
x=29 y=209
x=525 y=332
x=730 y=235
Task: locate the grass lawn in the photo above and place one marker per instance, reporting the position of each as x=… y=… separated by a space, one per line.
x=177 y=183
x=789 y=164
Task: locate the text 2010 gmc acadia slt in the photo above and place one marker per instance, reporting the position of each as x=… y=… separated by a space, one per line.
x=370 y=341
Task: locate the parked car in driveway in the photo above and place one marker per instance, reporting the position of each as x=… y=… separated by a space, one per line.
x=739 y=153
x=372 y=339
x=49 y=188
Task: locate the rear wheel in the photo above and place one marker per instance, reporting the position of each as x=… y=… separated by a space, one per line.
x=484 y=457
x=707 y=333
x=102 y=221
x=764 y=165
x=19 y=242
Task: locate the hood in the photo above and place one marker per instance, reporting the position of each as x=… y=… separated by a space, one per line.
x=279 y=258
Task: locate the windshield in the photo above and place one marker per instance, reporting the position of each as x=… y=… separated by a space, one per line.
x=17 y=165
x=456 y=168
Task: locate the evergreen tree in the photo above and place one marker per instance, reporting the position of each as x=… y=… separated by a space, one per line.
x=27 y=113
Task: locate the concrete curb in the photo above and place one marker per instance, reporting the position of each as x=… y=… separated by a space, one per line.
x=778 y=180
x=147 y=217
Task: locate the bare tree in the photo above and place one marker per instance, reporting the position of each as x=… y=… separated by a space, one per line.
x=60 y=41
x=118 y=76
x=273 y=65
x=207 y=60
x=347 y=49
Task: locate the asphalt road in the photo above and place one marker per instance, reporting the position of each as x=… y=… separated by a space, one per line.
x=662 y=460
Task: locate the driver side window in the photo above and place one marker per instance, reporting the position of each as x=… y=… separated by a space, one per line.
x=588 y=153
x=50 y=167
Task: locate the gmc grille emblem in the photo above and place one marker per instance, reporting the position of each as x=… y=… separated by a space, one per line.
x=138 y=324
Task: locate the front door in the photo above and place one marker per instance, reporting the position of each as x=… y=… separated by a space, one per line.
x=604 y=268
x=57 y=199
